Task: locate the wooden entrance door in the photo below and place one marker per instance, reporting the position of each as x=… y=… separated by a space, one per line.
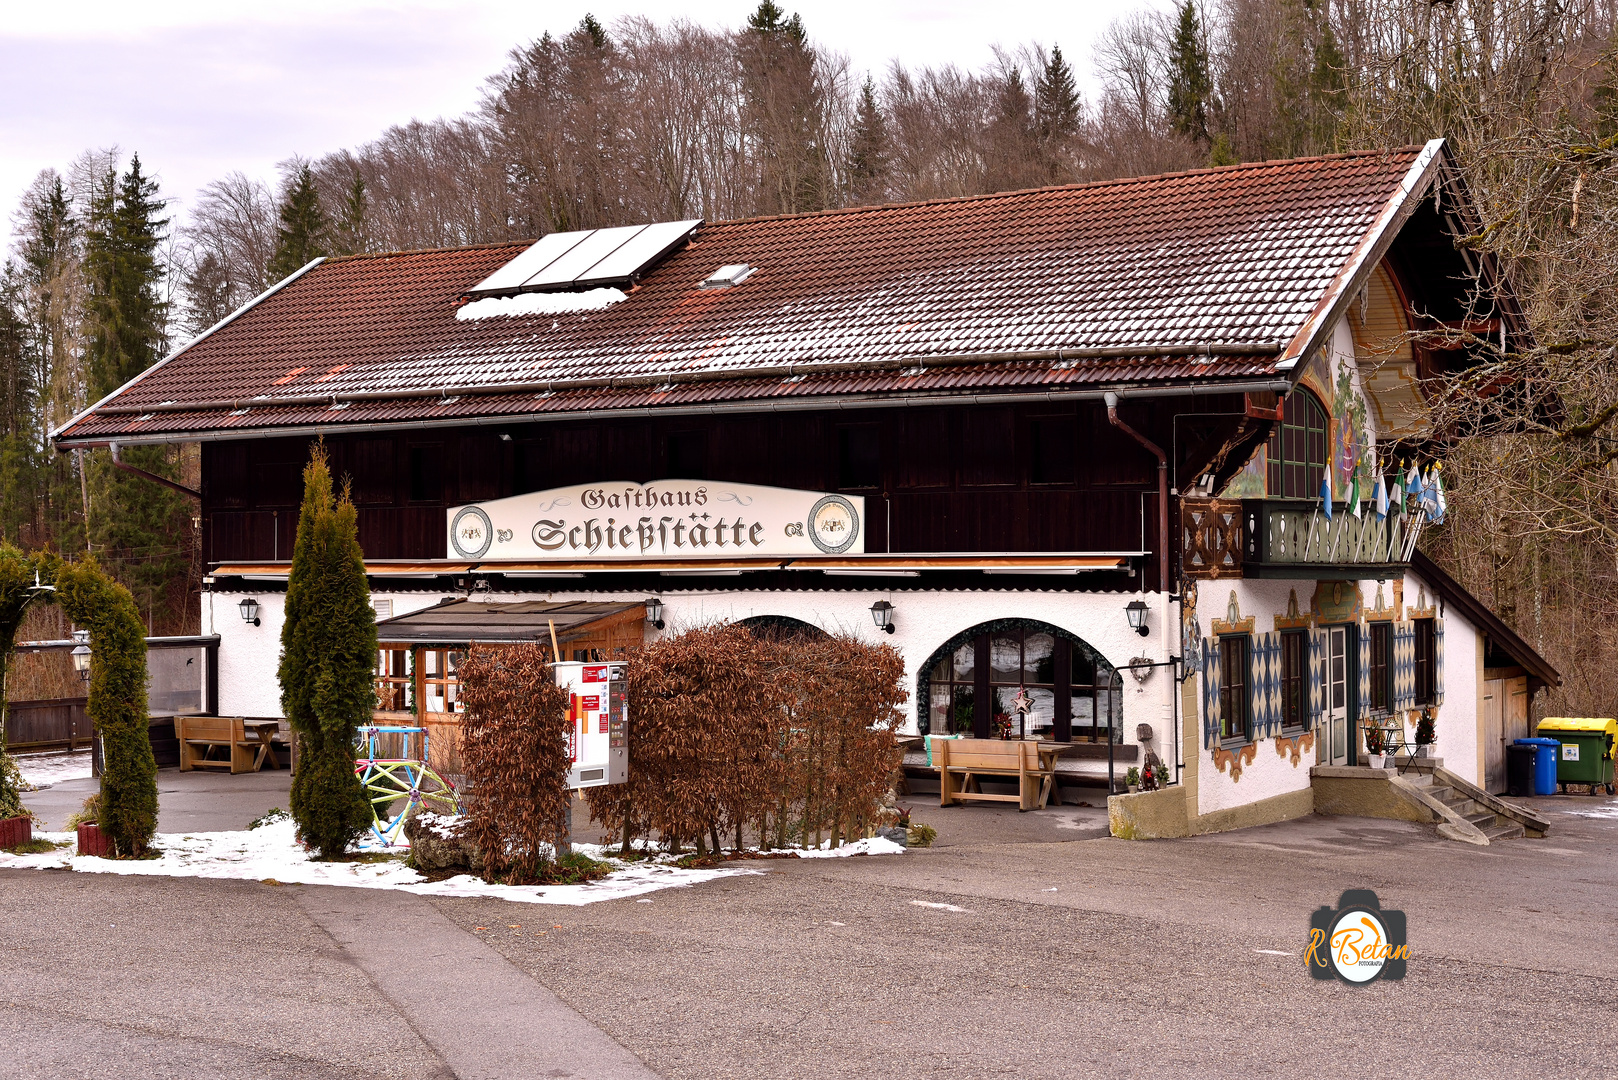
x=1494 y=736
x=1335 y=749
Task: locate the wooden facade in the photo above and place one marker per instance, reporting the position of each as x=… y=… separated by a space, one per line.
x=1011 y=478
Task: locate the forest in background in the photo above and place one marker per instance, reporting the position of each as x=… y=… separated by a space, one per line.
x=644 y=121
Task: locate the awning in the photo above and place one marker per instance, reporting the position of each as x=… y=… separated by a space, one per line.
x=461 y=622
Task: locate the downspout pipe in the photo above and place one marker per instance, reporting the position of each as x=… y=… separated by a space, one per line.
x=120 y=463
x=1162 y=488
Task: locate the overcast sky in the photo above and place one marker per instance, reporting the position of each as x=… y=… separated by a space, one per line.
x=201 y=88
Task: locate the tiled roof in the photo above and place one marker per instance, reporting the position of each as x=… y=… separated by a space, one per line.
x=1227 y=264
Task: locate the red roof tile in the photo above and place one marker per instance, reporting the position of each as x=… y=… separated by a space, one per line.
x=853 y=300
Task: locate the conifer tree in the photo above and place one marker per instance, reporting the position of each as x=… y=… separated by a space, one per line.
x=126 y=311
x=304 y=232
x=868 y=154
x=1189 y=82
x=349 y=232
x=328 y=660
x=1056 y=100
x=785 y=112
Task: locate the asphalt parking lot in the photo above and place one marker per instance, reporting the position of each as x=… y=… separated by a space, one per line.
x=985 y=956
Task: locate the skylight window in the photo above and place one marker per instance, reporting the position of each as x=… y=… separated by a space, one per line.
x=726 y=276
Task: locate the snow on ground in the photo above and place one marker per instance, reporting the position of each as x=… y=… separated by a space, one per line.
x=271 y=852
x=43 y=770
x=1607 y=810
x=540 y=304
x=871 y=845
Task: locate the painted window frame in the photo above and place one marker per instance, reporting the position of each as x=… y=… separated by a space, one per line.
x=1381 y=674
x=1424 y=653
x=1234 y=694
x=1295 y=681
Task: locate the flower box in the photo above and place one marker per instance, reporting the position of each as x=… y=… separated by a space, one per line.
x=16 y=831
x=92 y=842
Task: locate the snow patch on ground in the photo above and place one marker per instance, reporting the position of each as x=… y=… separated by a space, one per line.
x=1609 y=810
x=539 y=303
x=271 y=853
x=43 y=770
x=940 y=907
x=871 y=845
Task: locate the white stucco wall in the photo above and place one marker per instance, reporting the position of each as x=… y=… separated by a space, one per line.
x=923 y=621
x=1456 y=725
x=1269 y=773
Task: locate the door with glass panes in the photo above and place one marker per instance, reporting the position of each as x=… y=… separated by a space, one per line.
x=1334 y=740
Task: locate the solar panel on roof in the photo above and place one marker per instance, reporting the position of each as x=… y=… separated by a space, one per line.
x=587 y=257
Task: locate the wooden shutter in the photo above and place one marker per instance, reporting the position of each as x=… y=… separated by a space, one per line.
x=1365 y=672
x=1316 y=677
x=1404 y=666
x=1438 y=661
x=1267 y=692
x=1210 y=692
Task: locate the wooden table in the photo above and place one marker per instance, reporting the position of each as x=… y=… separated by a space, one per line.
x=266 y=730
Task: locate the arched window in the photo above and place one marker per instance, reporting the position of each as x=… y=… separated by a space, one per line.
x=781 y=626
x=1076 y=693
x=1297 y=449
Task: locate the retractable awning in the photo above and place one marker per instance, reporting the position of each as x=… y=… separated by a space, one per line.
x=461 y=622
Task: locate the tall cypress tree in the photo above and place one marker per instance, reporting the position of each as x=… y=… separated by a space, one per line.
x=868 y=152
x=328 y=663
x=304 y=233
x=1190 y=85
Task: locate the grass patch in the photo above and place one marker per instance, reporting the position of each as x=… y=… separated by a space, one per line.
x=33 y=847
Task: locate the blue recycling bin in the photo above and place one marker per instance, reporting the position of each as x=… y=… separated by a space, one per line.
x=1545 y=754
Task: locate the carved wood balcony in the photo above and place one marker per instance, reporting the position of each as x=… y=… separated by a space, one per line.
x=1211 y=544
x=1292 y=538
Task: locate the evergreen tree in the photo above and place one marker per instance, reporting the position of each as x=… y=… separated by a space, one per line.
x=1189 y=83
x=1223 y=152
x=869 y=147
x=208 y=293
x=1056 y=100
x=349 y=232
x=1013 y=159
x=328 y=660
x=126 y=311
x=304 y=233
x=784 y=112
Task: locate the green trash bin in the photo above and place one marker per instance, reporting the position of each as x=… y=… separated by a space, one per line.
x=1586 y=752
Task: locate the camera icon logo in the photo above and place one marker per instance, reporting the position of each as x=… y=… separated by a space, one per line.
x=1358 y=942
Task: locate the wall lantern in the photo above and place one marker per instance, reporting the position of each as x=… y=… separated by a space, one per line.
x=654 y=612
x=882 y=612
x=1136 y=611
x=81 y=654
x=250 y=611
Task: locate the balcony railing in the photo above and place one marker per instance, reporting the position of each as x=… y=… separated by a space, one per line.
x=1294 y=538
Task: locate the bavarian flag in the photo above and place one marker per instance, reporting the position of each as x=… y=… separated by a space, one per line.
x=1325 y=490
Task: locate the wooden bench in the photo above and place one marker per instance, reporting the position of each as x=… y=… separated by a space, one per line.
x=960 y=763
x=199 y=736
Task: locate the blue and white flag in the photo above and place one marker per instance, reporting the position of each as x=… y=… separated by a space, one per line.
x=1325 y=490
x=1438 y=486
x=1380 y=498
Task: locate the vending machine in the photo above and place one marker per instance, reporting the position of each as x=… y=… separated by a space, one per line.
x=597 y=723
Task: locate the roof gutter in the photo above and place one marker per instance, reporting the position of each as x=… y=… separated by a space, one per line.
x=840 y=402
x=800 y=370
x=220 y=325
x=1367 y=254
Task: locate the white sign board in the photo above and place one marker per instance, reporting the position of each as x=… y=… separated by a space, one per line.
x=597 y=723
x=665 y=519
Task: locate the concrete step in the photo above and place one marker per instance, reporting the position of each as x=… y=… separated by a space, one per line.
x=1484 y=819
x=1509 y=831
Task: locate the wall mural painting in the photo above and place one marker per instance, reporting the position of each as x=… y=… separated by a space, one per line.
x=1336 y=601
x=1232 y=760
x=1190 y=635
x=1293 y=619
x=1350 y=447
x=1251 y=482
x=1296 y=746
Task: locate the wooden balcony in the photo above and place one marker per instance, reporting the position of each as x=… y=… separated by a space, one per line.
x=1292 y=538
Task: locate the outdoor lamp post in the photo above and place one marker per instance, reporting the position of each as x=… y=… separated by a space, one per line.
x=882 y=612
x=654 y=612
x=249 y=608
x=1136 y=612
x=81 y=654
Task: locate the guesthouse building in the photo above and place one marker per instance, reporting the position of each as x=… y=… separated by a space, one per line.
x=1078 y=442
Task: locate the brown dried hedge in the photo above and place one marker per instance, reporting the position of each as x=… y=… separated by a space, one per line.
x=514 y=746
x=784 y=736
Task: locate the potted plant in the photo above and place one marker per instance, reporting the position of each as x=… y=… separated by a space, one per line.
x=1132 y=779
x=1424 y=732
x=1373 y=746
x=1162 y=774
